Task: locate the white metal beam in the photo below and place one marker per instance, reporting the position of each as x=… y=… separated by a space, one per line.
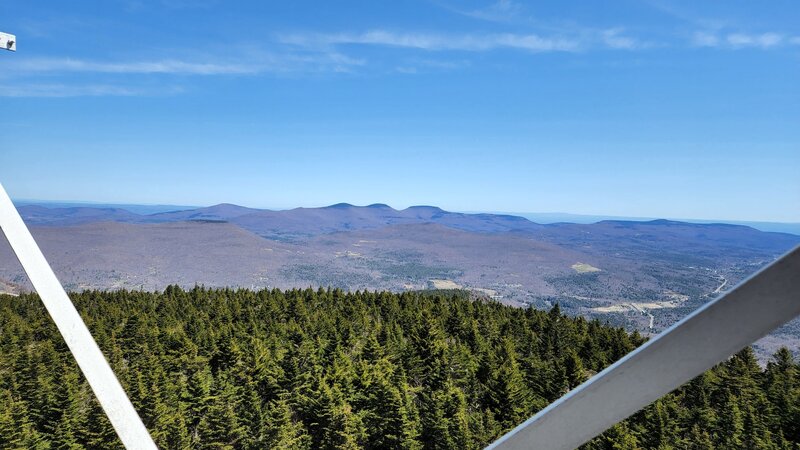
x=98 y=373
x=706 y=337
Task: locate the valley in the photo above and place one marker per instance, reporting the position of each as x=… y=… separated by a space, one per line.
x=640 y=275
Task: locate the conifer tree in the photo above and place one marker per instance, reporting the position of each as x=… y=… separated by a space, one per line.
x=284 y=432
x=220 y=428
x=508 y=396
x=783 y=391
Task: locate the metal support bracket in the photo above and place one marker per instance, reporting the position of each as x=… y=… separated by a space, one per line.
x=8 y=41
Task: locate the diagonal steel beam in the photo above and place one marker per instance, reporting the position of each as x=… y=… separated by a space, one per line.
x=706 y=337
x=95 y=368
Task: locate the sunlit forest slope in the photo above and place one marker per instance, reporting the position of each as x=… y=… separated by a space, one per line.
x=308 y=369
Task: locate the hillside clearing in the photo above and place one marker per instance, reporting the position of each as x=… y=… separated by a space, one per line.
x=584 y=268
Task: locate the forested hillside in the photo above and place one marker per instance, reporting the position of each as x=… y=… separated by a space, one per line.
x=308 y=369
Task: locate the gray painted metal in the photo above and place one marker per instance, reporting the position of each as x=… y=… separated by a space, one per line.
x=709 y=335
x=90 y=359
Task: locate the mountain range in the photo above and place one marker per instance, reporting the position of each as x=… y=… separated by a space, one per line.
x=642 y=275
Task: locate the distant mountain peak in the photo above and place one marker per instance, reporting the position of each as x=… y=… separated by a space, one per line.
x=664 y=222
x=227 y=207
x=339 y=206
x=425 y=207
x=379 y=206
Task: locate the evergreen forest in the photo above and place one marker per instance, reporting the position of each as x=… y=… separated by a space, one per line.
x=322 y=368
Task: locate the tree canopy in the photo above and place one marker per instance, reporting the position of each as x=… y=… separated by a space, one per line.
x=322 y=368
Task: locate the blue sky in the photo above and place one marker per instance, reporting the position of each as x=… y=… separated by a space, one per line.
x=634 y=108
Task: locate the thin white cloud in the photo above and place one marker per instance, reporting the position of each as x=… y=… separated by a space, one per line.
x=533 y=42
x=765 y=40
x=703 y=39
x=440 y=64
x=319 y=61
x=417 y=65
x=252 y=63
x=176 y=67
x=686 y=14
x=499 y=11
x=406 y=70
x=58 y=90
x=613 y=39
x=740 y=40
x=72 y=77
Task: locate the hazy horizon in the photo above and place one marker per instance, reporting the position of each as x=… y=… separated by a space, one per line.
x=543 y=217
